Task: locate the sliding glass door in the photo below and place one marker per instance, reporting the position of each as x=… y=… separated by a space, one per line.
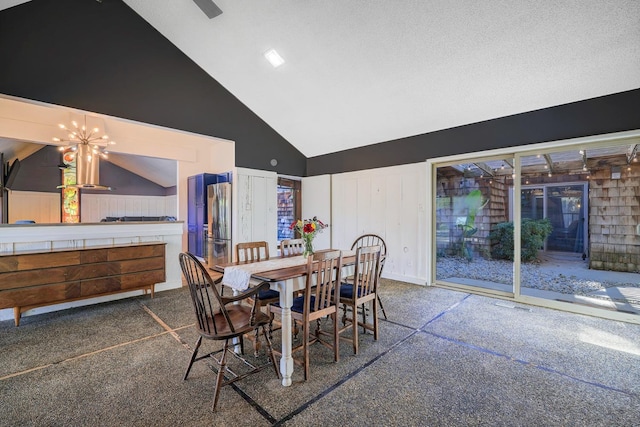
x=471 y=199
x=558 y=227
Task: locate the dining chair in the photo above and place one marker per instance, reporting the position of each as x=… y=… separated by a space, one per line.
x=222 y=319
x=291 y=247
x=362 y=290
x=320 y=299
x=373 y=240
x=255 y=252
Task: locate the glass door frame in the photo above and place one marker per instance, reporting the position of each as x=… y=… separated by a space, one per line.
x=431 y=205
x=518 y=152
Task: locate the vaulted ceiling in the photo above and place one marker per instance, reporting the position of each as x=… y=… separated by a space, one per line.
x=357 y=73
x=362 y=72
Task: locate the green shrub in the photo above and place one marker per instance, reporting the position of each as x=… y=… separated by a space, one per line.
x=534 y=232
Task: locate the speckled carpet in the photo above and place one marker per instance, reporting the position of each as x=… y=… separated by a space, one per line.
x=444 y=358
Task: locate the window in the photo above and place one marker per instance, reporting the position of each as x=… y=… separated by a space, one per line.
x=289 y=206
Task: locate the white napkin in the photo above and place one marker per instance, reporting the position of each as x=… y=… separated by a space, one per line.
x=236 y=278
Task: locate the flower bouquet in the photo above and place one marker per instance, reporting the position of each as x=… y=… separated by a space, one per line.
x=308 y=229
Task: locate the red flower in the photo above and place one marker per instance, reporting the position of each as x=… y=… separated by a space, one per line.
x=309 y=227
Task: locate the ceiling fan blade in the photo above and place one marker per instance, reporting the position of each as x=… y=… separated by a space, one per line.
x=208 y=7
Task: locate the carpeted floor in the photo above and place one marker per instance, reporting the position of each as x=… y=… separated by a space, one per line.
x=443 y=358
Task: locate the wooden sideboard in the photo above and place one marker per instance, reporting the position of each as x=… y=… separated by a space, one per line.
x=36 y=279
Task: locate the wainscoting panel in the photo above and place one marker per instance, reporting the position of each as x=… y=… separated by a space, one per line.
x=95 y=207
x=389 y=202
x=256 y=207
x=43 y=208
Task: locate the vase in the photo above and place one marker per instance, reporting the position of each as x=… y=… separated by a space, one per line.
x=308 y=246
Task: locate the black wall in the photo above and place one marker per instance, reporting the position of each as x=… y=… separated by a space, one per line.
x=611 y=113
x=40 y=172
x=103 y=57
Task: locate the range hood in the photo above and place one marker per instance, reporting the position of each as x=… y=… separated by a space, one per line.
x=87 y=165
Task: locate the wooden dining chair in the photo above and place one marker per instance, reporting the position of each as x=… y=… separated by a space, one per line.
x=252 y=251
x=372 y=240
x=222 y=319
x=362 y=290
x=320 y=299
x=291 y=247
x=255 y=252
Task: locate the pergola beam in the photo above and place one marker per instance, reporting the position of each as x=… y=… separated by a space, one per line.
x=547 y=159
x=631 y=152
x=484 y=168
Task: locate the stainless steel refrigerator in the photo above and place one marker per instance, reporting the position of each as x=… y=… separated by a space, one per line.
x=219 y=248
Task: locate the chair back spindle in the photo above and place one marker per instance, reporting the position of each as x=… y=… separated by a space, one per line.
x=252 y=251
x=204 y=296
x=367 y=271
x=323 y=270
x=291 y=247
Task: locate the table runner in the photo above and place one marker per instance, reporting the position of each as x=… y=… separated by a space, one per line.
x=238 y=276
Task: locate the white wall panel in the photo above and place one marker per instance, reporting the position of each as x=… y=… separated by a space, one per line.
x=316 y=201
x=95 y=207
x=43 y=208
x=389 y=202
x=256 y=213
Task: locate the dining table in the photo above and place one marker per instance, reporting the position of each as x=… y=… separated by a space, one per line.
x=285 y=275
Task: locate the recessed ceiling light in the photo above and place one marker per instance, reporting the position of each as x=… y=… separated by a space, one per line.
x=274 y=58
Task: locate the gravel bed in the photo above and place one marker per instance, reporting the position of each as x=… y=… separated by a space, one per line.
x=533 y=275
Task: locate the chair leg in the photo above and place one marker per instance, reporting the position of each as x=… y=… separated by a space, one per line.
x=305 y=350
x=256 y=343
x=354 y=327
x=270 y=350
x=193 y=357
x=296 y=330
x=381 y=307
x=374 y=303
x=336 y=337
x=364 y=318
x=344 y=314
x=220 y=377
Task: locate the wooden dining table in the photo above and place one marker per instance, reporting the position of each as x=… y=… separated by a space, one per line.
x=285 y=275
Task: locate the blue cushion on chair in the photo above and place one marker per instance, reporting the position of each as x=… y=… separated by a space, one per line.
x=346 y=291
x=268 y=294
x=298 y=304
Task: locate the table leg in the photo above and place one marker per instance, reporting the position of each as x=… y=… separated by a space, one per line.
x=286 y=362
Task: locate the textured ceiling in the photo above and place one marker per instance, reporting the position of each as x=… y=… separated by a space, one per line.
x=361 y=72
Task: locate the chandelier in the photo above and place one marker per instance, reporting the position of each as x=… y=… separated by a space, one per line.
x=86 y=146
x=82 y=135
